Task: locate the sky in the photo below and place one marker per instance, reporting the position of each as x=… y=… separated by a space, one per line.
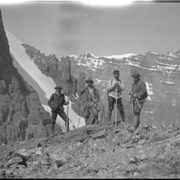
x=71 y=28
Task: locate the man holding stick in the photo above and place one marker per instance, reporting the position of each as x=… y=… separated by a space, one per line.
x=91 y=99
x=114 y=93
x=138 y=95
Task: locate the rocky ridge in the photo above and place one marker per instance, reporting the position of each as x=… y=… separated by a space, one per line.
x=96 y=151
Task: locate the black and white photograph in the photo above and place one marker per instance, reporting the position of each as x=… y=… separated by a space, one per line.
x=90 y=89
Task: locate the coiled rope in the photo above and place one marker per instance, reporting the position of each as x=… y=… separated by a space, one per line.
x=146 y=113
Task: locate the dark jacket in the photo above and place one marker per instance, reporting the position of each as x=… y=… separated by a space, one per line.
x=56 y=101
x=91 y=98
x=139 y=89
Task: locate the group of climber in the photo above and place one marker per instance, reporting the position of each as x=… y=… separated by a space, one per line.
x=115 y=88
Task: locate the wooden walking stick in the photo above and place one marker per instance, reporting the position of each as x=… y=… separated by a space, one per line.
x=131 y=113
x=79 y=115
x=68 y=108
x=68 y=112
x=116 y=108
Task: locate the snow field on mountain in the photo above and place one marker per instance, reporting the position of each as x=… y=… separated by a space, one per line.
x=120 y=56
x=43 y=85
x=149 y=90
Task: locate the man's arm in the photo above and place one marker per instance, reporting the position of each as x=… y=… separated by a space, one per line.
x=64 y=101
x=110 y=87
x=82 y=92
x=97 y=96
x=122 y=86
x=50 y=100
x=142 y=91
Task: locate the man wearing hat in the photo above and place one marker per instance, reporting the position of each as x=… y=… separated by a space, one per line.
x=138 y=95
x=56 y=102
x=114 y=92
x=91 y=99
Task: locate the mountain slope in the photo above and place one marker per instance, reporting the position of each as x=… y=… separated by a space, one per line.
x=43 y=84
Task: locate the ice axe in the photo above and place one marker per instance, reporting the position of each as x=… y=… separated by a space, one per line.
x=116 y=108
x=131 y=109
x=79 y=115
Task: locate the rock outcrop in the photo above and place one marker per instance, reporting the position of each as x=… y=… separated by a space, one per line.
x=21 y=115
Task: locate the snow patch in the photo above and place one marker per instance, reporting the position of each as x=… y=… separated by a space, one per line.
x=91 y=63
x=150 y=112
x=120 y=56
x=92 y=69
x=155 y=52
x=90 y=54
x=98 y=81
x=128 y=62
x=167 y=82
x=172 y=54
x=149 y=88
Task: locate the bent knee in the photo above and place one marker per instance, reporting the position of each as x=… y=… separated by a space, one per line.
x=136 y=113
x=111 y=108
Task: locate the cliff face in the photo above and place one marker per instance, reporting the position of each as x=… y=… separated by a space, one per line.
x=58 y=69
x=21 y=114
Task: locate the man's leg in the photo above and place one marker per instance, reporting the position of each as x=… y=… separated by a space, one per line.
x=121 y=109
x=87 y=114
x=137 y=110
x=63 y=115
x=111 y=102
x=136 y=120
x=54 y=116
x=94 y=115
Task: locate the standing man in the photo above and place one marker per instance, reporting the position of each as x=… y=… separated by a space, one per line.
x=138 y=95
x=56 y=102
x=114 y=92
x=91 y=99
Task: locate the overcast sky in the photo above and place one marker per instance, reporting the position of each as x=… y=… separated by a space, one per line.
x=65 y=29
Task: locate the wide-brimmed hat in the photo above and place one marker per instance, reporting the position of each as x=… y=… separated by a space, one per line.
x=116 y=71
x=89 y=80
x=58 y=87
x=135 y=74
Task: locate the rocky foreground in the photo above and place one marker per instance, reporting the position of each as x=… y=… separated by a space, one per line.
x=96 y=151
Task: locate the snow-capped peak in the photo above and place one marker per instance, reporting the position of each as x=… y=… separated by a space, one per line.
x=120 y=56
x=89 y=55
